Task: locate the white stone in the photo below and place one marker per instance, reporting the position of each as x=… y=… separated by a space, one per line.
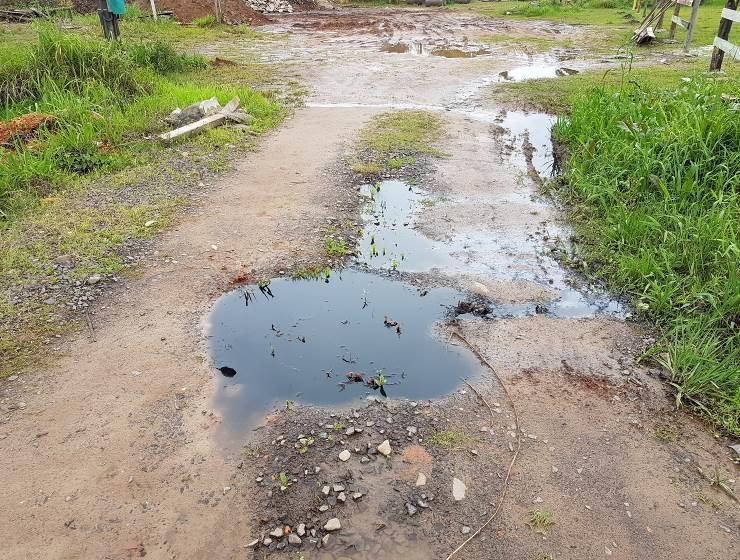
x=421 y=479
x=458 y=489
x=345 y=455
x=333 y=525
x=385 y=448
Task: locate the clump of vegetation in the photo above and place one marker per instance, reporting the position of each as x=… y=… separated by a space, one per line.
x=449 y=439
x=315 y=272
x=394 y=140
x=665 y=434
x=205 y=21
x=653 y=183
x=540 y=520
x=335 y=247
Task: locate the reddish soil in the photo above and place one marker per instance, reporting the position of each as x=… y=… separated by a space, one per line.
x=235 y=11
x=23 y=127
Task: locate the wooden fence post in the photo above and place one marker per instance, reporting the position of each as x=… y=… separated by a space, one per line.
x=676 y=11
x=723 y=33
x=692 y=22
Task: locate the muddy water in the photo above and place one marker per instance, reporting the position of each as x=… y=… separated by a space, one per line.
x=537 y=71
x=323 y=342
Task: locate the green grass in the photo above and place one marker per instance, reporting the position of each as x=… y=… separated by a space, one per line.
x=88 y=185
x=449 y=439
x=541 y=520
x=653 y=183
x=335 y=247
x=557 y=96
x=396 y=139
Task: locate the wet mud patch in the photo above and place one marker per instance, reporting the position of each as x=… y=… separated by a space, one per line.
x=385 y=472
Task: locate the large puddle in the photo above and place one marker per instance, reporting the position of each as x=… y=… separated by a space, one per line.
x=332 y=342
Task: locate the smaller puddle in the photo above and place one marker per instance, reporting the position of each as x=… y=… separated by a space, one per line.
x=421 y=49
x=389 y=240
x=523 y=73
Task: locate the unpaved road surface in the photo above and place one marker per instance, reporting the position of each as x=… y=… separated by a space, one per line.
x=124 y=449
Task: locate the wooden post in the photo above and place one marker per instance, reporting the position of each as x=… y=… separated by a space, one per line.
x=154 y=9
x=692 y=22
x=676 y=11
x=723 y=33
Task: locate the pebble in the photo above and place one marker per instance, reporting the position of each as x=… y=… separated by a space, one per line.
x=12 y=378
x=345 y=455
x=458 y=489
x=357 y=495
x=277 y=532
x=554 y=469
x=465 y=530
x=323 y=508
x=349 y=432
x=325 y=490
x=333 y=525
x=94 y=279
x=385 y=448
x=364 y=460
x=341 y=497
x=410 y=509
x=325 y=540
x=294 y=539
x=338 y=488
x=421 y=479
x=301 y=529
x=411 y=430
x=267 y=541
x=254 y=543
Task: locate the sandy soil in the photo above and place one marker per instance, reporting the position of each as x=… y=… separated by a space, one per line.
x=117 y=452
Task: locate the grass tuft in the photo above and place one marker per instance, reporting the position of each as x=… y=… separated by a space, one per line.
x=449 y=439
x=541 y=520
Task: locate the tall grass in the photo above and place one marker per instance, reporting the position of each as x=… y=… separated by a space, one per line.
x=104 y=95
x=654 y=178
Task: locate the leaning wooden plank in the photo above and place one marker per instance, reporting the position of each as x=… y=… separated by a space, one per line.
x=732 y=15
x=680 y=21
x=728 y=48
x=205 y=123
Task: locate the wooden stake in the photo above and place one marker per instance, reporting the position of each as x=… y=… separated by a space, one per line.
x=722 y=33
x=676 y=11
x=692 y=22
x=154 y=9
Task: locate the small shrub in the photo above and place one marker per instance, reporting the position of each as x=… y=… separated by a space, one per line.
x=205 y=21
x=164 y=59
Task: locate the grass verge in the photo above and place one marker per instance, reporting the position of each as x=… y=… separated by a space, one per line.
x=77 y=198
x=652 y=183
x=556 y=96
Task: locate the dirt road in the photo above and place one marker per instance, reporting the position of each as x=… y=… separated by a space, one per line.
x=132 y=444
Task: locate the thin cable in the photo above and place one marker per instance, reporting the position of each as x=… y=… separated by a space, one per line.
x=475 y=351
